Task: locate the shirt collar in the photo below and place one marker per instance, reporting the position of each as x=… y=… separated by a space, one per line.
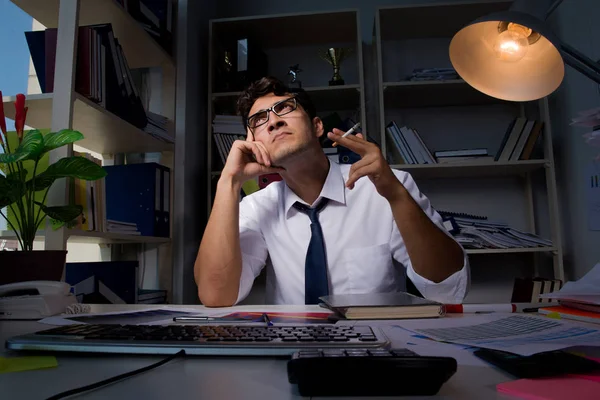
x=333 y=189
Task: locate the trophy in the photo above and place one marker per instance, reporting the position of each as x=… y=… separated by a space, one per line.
x=293 y=72
x=335 y=56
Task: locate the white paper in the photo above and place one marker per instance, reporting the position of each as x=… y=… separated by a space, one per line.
x=72 y=319
x=401 y=338
x=586 y=289
x=520 y=334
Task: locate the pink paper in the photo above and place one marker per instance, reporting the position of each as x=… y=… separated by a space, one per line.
x=560 y=388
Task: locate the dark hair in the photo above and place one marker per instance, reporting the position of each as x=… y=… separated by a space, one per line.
x=269 y=84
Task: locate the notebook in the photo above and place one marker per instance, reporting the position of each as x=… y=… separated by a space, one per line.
x=399 y=305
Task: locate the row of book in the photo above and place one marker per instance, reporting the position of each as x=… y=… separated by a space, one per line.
x=132 y=199
x=477 y=232
x=226 y=130
x=102 y=73
x=406 y=146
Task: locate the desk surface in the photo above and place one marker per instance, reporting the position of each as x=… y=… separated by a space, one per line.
x=193 y=377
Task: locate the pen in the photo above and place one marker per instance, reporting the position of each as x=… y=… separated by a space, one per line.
x=267 y=319
x=195 y=319
x=349 y=132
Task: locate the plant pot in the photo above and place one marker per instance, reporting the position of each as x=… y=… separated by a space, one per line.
x=37 y=265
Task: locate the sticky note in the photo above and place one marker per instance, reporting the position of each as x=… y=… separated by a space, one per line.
x=16 y=364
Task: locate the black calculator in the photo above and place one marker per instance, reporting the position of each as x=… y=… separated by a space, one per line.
x=368 y=372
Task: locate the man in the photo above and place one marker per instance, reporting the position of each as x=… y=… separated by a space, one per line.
x=326 y=228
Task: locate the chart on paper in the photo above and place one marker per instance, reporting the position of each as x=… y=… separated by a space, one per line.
x=523 y=335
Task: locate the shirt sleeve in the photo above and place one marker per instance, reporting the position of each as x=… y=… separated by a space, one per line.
x=453 y=289
x=253 y=247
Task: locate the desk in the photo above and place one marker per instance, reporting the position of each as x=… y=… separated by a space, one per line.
x=197 y=378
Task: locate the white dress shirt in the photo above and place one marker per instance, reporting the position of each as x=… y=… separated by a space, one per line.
x=362 y=242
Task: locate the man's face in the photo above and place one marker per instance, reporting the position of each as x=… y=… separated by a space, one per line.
x=287 y=135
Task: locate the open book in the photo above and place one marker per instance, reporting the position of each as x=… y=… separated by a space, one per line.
x=399 y=305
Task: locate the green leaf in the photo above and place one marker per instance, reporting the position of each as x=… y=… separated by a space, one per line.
x=17 y=176
x=61 y=213
x=73 y=167
x=30 y=148
x=58 y=139
x=10 y=191
x=41 y=182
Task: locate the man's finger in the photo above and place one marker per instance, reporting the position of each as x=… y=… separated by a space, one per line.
x=264 y=152
x=249 y=136
x=351 y=142
x=357 y=174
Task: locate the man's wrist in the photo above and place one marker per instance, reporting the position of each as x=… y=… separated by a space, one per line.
x=228 y=182
x=398 y=195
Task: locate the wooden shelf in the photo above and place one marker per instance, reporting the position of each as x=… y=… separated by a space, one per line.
x=471 y=169
x=79 y=236
x=413 y=94
x=326 y=98
x=141 y=50
x=283 y=30
x=509 y=251
x=104 y=132
x=433 y=20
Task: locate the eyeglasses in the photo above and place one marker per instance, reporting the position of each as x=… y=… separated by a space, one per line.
x=280 y=108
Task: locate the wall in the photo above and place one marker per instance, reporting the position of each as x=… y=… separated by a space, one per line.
x=576 y=23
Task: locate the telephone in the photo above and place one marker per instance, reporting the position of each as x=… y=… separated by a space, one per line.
x=34 y=299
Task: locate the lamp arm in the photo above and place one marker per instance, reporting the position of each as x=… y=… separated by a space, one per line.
x=581 y=63
x=553 y=7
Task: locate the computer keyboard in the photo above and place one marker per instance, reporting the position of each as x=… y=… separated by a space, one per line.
x=202 y=339
x=368 y=372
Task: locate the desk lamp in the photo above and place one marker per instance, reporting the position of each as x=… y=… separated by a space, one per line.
x=513 y=55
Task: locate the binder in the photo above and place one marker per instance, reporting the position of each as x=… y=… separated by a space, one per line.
x=136 y=193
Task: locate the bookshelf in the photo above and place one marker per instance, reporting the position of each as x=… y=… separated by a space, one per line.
x=285 y=48
x=105 y=133
x=450 y=113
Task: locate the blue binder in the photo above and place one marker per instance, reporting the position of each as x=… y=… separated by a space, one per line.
x=135 y=193
x=111 y=282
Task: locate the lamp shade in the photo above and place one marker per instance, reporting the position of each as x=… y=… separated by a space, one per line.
x=532 y=73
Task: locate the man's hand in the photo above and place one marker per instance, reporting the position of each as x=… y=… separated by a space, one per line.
x=372 y=164
x=248 y=159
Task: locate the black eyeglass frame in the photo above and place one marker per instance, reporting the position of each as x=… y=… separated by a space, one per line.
x=272 y=108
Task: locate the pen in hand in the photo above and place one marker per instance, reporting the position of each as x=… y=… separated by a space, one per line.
x=349 y=132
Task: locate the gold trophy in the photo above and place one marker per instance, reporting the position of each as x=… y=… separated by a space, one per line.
x=335 y=56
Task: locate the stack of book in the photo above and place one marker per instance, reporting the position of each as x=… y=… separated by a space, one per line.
x=124 y=228
x=476 y=232
x=433 y=74
x=226 y=130
x=157 y=127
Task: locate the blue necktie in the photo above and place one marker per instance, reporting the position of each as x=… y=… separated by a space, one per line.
x=315 y=270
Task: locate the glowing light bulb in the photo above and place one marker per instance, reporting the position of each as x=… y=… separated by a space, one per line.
x=512 y=44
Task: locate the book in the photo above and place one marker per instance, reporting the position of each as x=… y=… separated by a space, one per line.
x=398 y=305
x=571 y=313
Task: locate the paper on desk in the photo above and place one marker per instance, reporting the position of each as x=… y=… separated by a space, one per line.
x=520 y=334
x=587 y=288
x=151 y=316
x=400 y=337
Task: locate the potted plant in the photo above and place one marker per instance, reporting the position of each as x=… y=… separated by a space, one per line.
x=21 y=181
